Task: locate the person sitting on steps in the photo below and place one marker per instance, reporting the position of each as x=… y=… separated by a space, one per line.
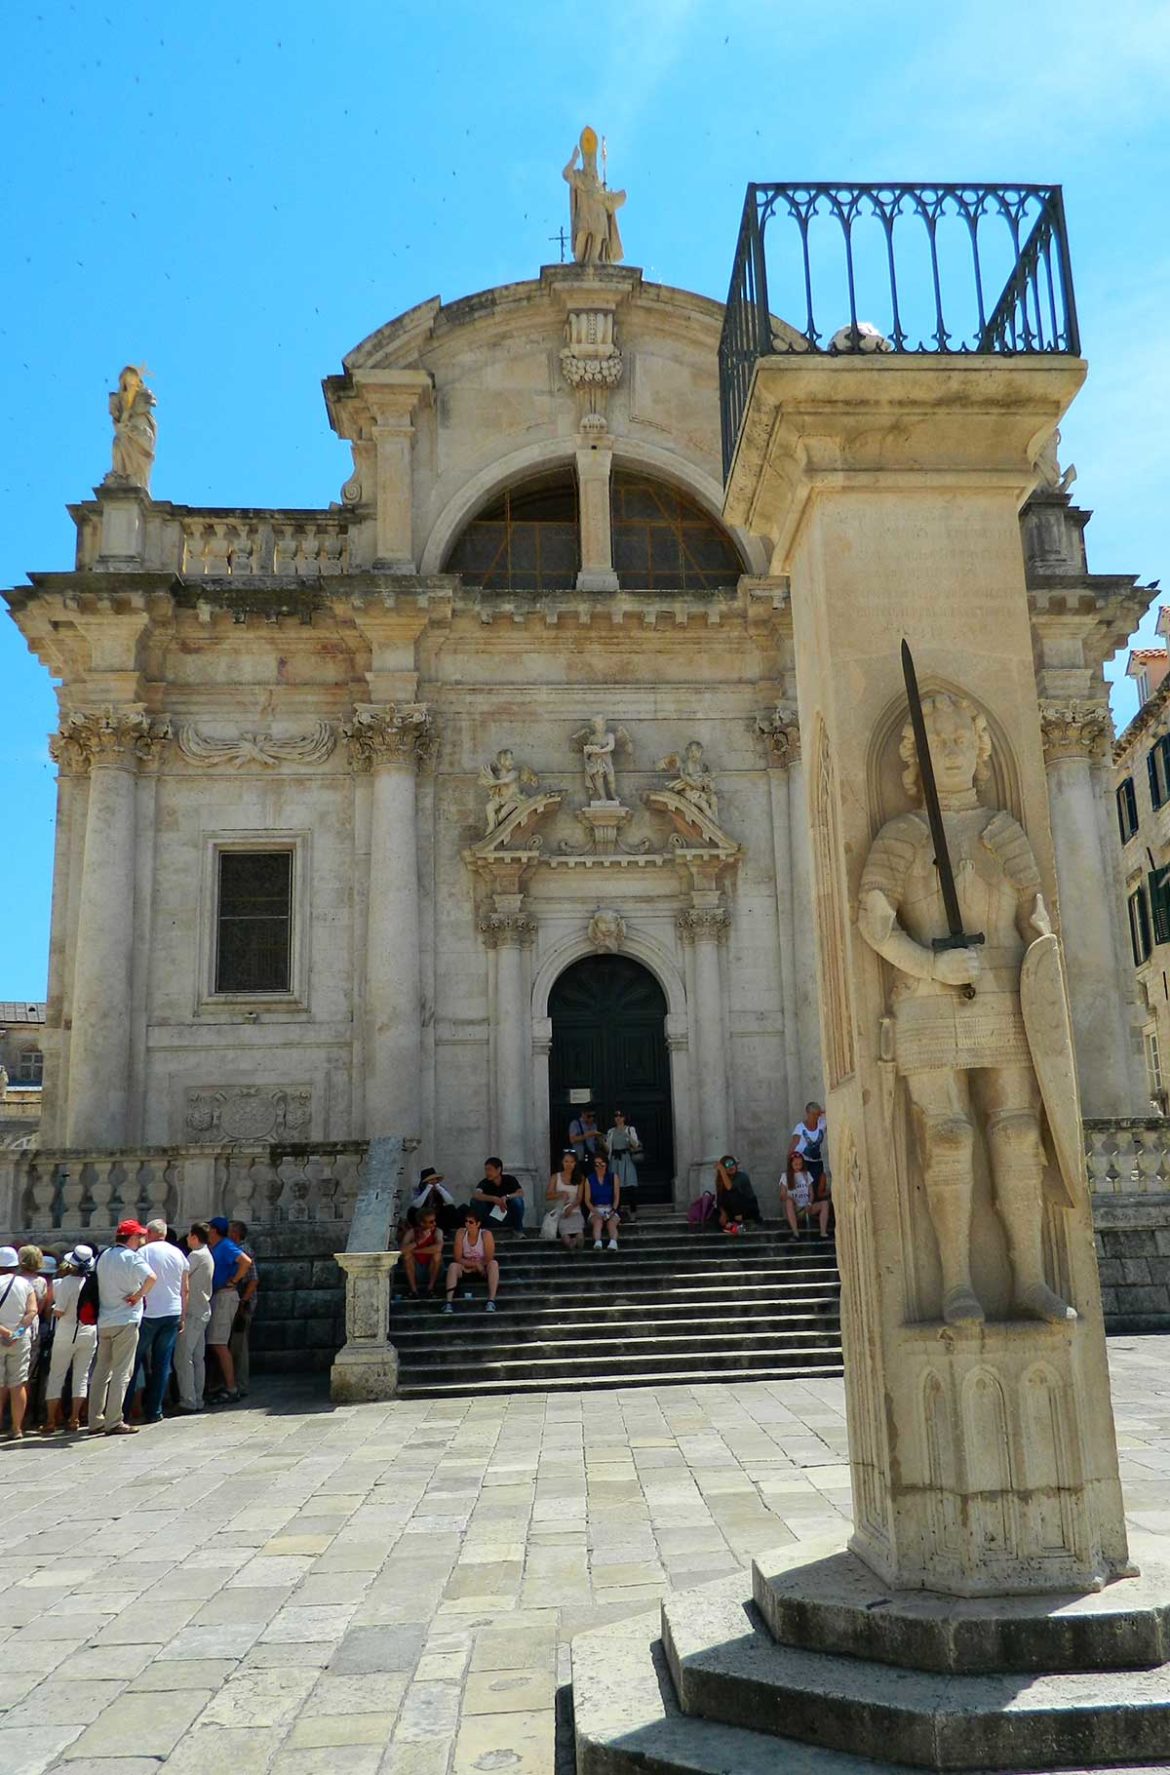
x=422 y=1249
x=498 y=1189
x=603 y=1195
x=734 y=1196
x=803 y=1195
x=475 y=1255
x=565 y=1190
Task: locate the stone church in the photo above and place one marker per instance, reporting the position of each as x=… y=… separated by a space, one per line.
x=476 y=794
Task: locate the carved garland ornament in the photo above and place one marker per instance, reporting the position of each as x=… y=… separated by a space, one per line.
x=1075 y=730
x=108 y=736
x=258 y=748
x=248 y=1112
x=393 y=731
x=591 y=359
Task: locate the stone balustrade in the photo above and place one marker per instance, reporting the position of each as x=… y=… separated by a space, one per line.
x=242 y=545
x=1128 y=1156
x=59 y=1195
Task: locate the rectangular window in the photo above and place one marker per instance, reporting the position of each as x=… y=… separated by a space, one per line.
x=253 y=949
x=30 y=1068
x=1159 y=885
x=1139 y=926
x=1158 y=765
x=1153 y=1063
x=1127 y=814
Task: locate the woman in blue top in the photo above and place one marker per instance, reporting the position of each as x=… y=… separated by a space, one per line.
x=603 y=1194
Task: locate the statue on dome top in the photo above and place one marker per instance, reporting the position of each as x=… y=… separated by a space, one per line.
x=593 y=206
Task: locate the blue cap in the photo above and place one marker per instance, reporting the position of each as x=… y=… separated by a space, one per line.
x=219 y=1224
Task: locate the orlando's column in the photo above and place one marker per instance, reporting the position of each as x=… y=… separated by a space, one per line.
x=981 y=1433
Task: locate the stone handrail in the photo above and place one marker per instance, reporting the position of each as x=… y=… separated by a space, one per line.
x=1128 y=1155
x=59 y=1194
x=241 y=545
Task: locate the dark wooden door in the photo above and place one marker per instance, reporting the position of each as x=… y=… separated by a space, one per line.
x=609 y=1037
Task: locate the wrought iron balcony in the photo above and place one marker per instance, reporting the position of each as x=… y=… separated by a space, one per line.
x=942 y=269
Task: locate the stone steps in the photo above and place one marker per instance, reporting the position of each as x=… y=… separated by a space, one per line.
x=671 y=1306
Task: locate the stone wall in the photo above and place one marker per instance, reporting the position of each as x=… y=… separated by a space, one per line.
x=300 y=1321
x=1133 y=1249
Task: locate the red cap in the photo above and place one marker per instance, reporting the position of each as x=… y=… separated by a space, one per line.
x=129 y=1229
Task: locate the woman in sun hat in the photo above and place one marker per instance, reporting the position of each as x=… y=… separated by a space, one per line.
x=74 y=1340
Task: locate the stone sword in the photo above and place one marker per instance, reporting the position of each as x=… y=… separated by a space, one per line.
x=957 y=937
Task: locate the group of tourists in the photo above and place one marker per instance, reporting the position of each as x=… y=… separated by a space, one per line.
x=94 y=1338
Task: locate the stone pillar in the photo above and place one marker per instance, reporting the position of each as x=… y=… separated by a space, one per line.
x=706 y=928
x=594 y=463
x=393 y=397
x=982 y=1453
x=780 y=730
x=110 y=744
x=366 y=1368
x=510 y=933
x=1076 y=736
x=390 y=742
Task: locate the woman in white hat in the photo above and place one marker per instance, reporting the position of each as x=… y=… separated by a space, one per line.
x=74 y=1340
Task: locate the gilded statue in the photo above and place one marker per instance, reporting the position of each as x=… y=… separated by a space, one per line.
x=978 y=1034
x=135 y=431
x=593 y=207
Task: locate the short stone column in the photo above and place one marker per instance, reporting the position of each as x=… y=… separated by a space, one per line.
x=109 y=744
x=510 y=933
x=367 y=1367
x=389 y=742
x=706 y=928
x=1076 y=735
x=594 y=461
x=393 y=397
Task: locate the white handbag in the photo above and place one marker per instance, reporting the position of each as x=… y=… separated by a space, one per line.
x=551 y=1224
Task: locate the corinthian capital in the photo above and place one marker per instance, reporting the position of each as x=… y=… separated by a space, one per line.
x=122 y=738
x=779 y=729
x=499 y=929
x=1075 y=730
x=703 y=924
x=390 y=731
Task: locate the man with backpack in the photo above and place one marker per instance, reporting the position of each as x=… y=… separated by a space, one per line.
x=124 y=1279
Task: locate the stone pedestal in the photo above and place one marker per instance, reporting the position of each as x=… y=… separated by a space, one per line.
x=983 y=1455
x=367 y=1367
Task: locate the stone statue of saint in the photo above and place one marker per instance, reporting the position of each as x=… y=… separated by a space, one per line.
x=135 y=431
x=592 y=207
x=598 y=744
x=505 y=782
x=693 y=779
x=1053 y=479
x=966 y=1060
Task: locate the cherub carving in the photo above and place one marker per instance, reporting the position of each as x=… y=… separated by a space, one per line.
x=598 y=744
x=505 y=782
x=693 y=780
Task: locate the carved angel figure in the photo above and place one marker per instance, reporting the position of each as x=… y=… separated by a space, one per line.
x=971 y=1062
x=693 y=779
x=598 y=745
x=505 y=782
x=135 y=431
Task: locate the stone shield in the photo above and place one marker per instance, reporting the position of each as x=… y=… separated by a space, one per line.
x=1044 y=1003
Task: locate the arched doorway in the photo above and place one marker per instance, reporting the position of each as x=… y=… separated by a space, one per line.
x=609 y=1038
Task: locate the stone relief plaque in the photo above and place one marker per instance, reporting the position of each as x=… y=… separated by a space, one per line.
x=248 y=1112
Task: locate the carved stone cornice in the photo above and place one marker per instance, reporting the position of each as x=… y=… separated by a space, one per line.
x=1075 y=730
x=779 y=728
x=264 y=749
x=390 y=733
x=703 y=924
x=120 y=738
x=500 y=929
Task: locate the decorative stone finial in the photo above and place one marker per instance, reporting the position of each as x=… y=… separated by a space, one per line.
x=592 y=206
x=135 y=431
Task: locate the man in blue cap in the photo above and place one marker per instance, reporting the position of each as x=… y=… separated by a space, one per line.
x=229 y=1267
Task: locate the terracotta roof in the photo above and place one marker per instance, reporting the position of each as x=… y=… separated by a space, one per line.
x=21 y=1010
x=1146 y=716
x=1147 y=653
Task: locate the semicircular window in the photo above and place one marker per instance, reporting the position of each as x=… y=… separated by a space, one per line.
x=525 y=540
x=663 y=540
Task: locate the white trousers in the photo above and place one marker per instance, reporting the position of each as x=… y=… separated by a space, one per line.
x=190 y=1371
x=71 y=1360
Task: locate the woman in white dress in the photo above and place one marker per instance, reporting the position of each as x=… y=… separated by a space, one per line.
x=564 y=1192
x=624 y=1147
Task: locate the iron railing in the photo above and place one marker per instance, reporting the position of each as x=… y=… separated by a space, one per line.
x=904 y=268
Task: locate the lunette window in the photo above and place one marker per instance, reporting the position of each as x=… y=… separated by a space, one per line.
x=253 y=949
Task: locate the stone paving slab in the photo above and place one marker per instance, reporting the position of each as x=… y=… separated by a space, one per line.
x=289 y=1588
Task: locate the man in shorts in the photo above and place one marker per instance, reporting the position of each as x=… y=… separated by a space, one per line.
x=18 y=1310
x=230 y=1266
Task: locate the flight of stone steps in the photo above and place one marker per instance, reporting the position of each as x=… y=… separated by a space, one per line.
x=671 y=1305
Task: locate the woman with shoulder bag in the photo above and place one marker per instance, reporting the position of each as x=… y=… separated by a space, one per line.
x=565 y=1220
x=624 y=1149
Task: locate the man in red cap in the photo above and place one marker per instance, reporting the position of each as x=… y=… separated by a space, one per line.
x=124 y=1280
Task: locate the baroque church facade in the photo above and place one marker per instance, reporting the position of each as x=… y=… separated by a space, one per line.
x=478 y=793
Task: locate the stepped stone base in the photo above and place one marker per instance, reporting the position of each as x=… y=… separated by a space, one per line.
x=814 y=1667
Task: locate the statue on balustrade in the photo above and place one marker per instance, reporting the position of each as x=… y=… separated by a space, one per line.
x=135 y=431
x=980 y=1026
x=505 y=782
x=592 y=207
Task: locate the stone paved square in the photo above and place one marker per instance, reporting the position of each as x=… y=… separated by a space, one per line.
x=292 y=1588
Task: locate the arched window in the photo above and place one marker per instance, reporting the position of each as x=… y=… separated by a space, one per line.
x=663 y=541
x=525 y=541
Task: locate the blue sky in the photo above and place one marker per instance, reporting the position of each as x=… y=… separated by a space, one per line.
x=236 y=194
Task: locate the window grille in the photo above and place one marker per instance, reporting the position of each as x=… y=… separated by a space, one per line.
x=1153 y=1063
x=254 y=921
x=1139 y=926
x=1127 y=814
x=663 y=541
x=525 y=541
